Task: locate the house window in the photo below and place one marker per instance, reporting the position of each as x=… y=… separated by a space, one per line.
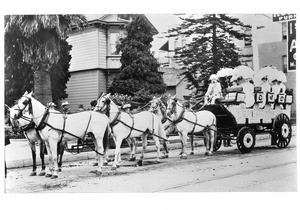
x=284 y=63
x=114 y=40
x=284 y=30
x=248 y=40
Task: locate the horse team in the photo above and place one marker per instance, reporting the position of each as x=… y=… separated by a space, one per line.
x=54 y=129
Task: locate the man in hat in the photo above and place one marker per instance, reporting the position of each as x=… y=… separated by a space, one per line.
x=126 y=108
x=65 y=108
x=51 y=106
x=214 y=90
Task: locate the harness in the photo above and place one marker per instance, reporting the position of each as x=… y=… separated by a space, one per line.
x=117 y=120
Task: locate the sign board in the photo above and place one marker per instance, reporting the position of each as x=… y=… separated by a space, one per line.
x=291 y=41
x=283 y=17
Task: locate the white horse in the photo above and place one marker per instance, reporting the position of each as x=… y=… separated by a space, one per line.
x=126 y=126
x=159 y=108
x=55 y=127
x=26 y=124
x=187 y=121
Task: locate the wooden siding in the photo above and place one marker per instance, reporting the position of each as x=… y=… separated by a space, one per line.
x=82 y=88
x=102 y=48
x=85 y=51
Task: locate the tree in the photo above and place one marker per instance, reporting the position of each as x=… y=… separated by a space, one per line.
x=39 y=44
x=139 y=74
x=211 y=47
x=19 y=74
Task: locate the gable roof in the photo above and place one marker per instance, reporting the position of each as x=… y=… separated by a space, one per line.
x=115 y=19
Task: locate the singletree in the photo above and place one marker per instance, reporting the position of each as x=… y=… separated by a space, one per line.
x=211 y=48
x=40 y=46
x=139 y=76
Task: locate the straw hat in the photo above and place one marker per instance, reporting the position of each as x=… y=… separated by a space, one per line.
x=126 y=106
x=51 y=104
x=65 y=103
x=213 y=77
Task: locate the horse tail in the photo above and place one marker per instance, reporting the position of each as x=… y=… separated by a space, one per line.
x=106 y=139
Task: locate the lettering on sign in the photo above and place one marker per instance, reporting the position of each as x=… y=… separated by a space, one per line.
x=291 y=45
x=283 y=17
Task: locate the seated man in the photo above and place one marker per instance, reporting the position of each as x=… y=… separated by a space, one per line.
x=214 y=90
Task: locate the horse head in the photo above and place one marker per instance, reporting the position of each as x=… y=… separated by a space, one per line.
x=23 y=105
x=171 y=105
x=103 y=103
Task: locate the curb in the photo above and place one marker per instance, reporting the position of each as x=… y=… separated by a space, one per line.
x=175 y=143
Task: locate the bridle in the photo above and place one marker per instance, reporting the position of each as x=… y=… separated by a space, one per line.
x=172 y=109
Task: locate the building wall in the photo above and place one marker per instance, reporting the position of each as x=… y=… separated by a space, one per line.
x=271 y=54
x=85 y=86
x=181 y=89
x=85 y=50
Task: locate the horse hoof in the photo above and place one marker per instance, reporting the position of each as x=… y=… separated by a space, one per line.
x=59 y=170
x=54 y=176
x=48 y=175
x=140 y=163
x=183 y=156
x=180 y=153
x=208 y=153
x=33 y=173
x=132 y=159
x=98 y=173
x=95 y=164
x=164 y=156
x=42 y=173
x=105 y=164
x=192 y=153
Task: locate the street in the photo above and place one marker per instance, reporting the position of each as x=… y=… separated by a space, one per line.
x=265 y=169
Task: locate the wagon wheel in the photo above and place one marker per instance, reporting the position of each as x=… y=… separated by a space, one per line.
x=245 y=140
x=217 y=143
x=282 y=131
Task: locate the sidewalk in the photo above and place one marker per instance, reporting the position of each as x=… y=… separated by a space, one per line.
x=18 y=153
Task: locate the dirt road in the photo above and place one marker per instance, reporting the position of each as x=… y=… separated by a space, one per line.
x=265 y=169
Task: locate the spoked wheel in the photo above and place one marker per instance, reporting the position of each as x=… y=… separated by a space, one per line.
x=245 y=140
x=217 y=143
x=282 y=131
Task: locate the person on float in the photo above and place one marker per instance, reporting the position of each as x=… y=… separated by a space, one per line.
x=214 y=90
x=282 y=89
x=248 y=89
x=275 y=89
x=265 y=88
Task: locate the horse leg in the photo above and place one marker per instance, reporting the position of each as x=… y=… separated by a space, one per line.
x=181 y=152
x=50 y=164
x=33 y=153
x=117 y=152
x=133 y=149
x=53 y=147
x=157 y=145
x=166 y=155
x=213 y=137
x=192 y=144
x=144 y=145
x=183 y=136
x=42 y=156
x=60 y=152
x=100 y=151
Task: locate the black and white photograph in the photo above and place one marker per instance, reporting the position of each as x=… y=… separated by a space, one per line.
x=137 y=102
